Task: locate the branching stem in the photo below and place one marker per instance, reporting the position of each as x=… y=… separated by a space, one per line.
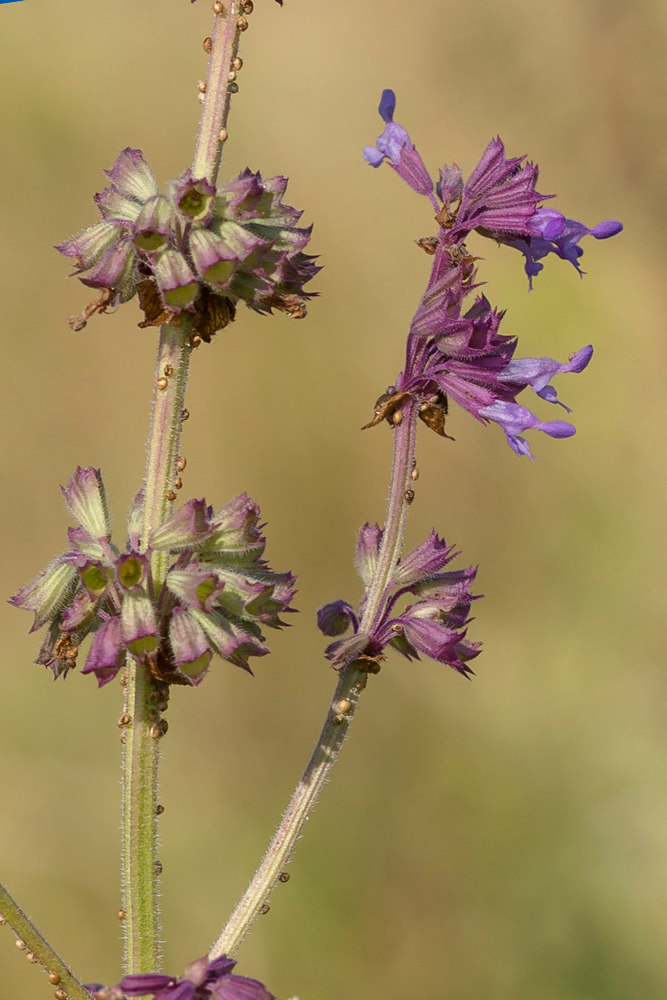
x=340 y=711
x=39 y=950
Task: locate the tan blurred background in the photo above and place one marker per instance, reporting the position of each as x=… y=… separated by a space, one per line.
x=504 y=839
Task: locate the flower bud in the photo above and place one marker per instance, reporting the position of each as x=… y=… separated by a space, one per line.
x=335 y=618
x=368 y=547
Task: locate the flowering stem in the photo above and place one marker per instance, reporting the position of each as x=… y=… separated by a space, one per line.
x=341 y=710
x=38 y=950
x=141 y=712
x=217 y=96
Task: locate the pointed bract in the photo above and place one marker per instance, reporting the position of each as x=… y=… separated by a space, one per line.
x=368 y=548
x=424 y=561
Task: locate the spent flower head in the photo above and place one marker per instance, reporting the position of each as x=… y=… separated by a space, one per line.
x=217 y=597
x=195 y=252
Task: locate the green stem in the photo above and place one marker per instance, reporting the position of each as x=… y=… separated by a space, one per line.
x=38 y=950
x=340 y=712
x=141 y=720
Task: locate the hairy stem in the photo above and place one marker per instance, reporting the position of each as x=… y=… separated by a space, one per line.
x=340 y=712
x=167 y=415
x=38 y=950
x=217 y=96
x=141 y=729
x=141 y=920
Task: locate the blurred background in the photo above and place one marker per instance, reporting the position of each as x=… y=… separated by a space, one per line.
x=504 y=839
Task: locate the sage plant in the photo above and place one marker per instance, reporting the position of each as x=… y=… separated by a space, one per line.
x=190 y=581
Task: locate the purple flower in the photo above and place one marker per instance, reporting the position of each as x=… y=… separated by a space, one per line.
x=202 y=980
x=551 y=232
x=515 y=419
x=394 y=144
x=538 y=372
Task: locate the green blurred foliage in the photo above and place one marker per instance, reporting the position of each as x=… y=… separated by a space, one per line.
x=500 y=839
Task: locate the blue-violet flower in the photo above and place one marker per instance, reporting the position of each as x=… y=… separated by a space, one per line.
x=459 y=353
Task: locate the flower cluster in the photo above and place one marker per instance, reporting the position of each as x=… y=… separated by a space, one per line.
x=194 y=252
x=202 y=980
x=217 y=595
x=461 y=354
x=432 y=620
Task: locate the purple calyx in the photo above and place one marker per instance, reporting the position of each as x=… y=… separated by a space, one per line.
x=431 y=622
